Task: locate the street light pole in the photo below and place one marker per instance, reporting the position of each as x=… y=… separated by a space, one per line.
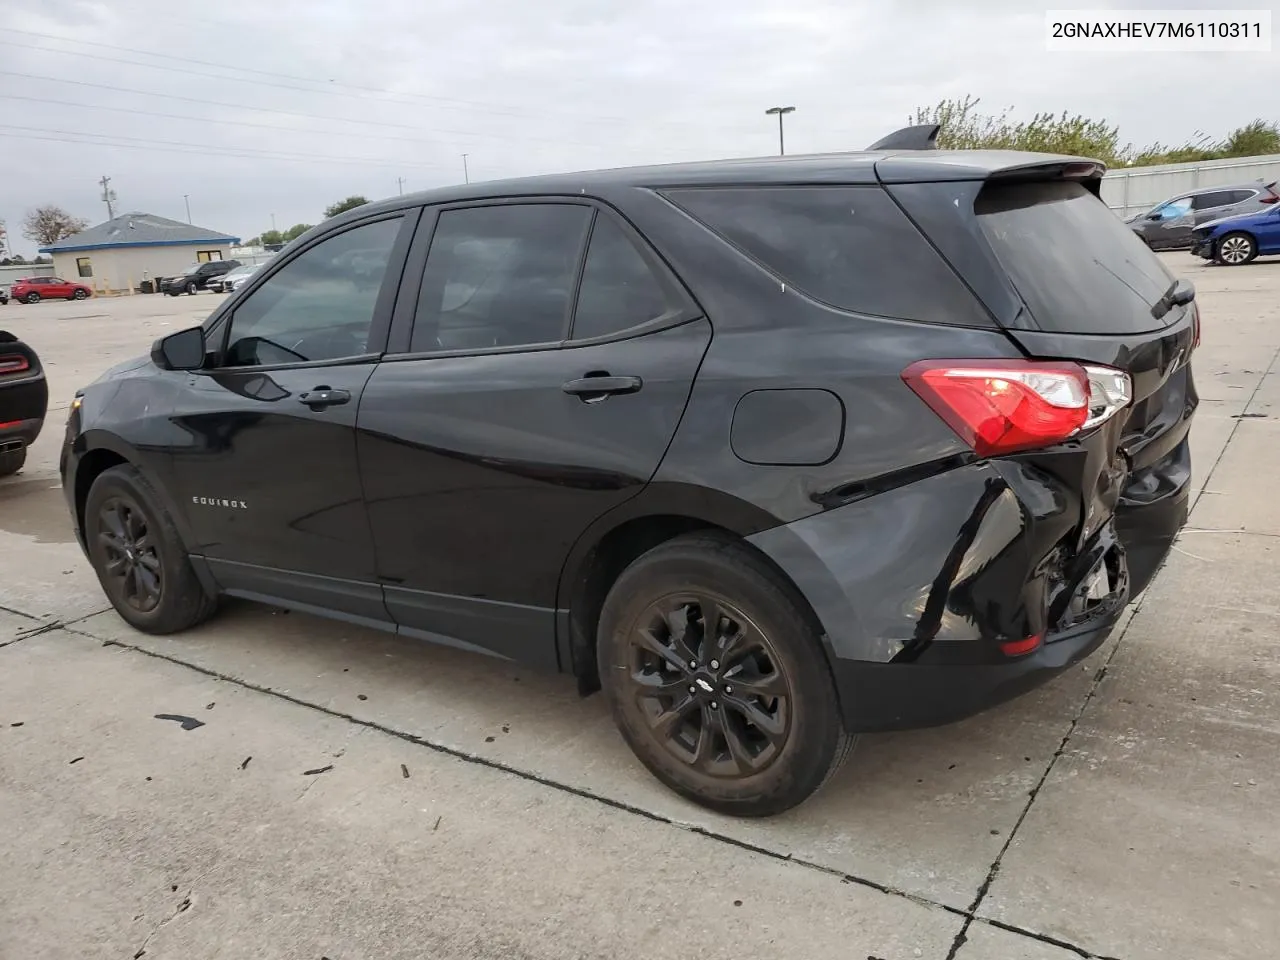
x=186 y=198
x=466 y=175
x=781 y=112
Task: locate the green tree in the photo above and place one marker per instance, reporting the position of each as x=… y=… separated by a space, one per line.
x=297 y=230
x=342 y=206
x=1255 y=139
x=253 y=242
x=271 y=238
x=964 y=127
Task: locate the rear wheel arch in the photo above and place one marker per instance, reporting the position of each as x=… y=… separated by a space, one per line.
x=583 y=588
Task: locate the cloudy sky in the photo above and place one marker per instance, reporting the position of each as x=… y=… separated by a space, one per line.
x=281 y=107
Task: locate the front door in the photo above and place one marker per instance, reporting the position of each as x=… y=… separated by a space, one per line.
x=1172 y=225
x=269 y=477
x=501 y=434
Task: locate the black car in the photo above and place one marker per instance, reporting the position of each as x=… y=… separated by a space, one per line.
x=24 y=400
x=774 y=451
x=196 y=277
x=4 y=296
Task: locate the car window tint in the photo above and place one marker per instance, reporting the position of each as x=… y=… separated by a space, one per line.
x=850 y=247
x=499 y=276
x=320 y=305
x=1240 y=196
x=1206 y=201
x=619 y=290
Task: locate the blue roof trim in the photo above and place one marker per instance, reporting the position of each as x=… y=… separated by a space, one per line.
x=146 y=243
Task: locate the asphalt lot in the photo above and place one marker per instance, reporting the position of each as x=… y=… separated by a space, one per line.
x=467 y=809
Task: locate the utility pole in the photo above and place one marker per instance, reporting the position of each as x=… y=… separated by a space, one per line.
x=273 y=223
x=781 y=112
x=400 y=184
x=186 y=198
x=108 y=195
x=466 y=175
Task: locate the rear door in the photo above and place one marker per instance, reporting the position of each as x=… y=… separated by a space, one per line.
x=1214 y=204
x=538 y=370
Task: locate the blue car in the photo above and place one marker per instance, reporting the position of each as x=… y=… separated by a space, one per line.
x=1235 y=241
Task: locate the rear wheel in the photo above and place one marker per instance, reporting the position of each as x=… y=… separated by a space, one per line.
x=191 y=288
x=11 y=461
x=717 y=679
x=32 y=297
x=1236 y=249
x=138 y=557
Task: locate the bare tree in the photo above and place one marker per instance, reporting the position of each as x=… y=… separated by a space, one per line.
x=49 y=224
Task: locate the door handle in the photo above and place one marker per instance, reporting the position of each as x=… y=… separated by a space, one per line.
x=318 y=398
x=596 y=387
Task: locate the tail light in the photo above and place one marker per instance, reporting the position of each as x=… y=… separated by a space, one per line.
x=1271 y=196
x=13 y=363
x=1002 y=406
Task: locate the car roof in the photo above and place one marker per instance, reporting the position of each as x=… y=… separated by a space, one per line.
x=854 y=167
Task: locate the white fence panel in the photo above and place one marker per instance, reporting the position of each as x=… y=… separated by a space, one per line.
x=1130 y=190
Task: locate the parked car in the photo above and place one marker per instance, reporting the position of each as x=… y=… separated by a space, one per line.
x=937 y=441
x=1235 y=241
x=35 y=289
x=229 y=282
x=4 y=296
x=1168 y=226
x=24 y=400
x=196 y=277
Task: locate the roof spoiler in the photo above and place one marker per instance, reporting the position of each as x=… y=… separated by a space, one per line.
x=923 y=136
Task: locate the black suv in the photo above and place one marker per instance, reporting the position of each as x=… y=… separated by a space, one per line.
x=196 y=277
x=774 y=451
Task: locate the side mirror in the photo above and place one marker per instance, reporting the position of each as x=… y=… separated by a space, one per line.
x=1154 y=216
x=183 y=350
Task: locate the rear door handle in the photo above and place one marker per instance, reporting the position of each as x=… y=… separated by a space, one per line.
x=318 y=398
x=593 y=389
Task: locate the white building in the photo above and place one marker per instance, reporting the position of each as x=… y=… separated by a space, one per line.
x=117 y=256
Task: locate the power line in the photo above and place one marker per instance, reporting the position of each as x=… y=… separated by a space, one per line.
x=201 y=149
x=285 y=113
x=327 y=86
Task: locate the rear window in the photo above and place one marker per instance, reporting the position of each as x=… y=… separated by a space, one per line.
x=850 y=247
x=1078 y=267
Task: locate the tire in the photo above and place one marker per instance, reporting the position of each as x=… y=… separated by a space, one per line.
x=191 y=288
x=142 y=530
x=32 y=297
x=80 y=295
x=11 y=461
x=1235 y=250
x=683 y=721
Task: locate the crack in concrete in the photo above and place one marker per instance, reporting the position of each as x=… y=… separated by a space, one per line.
x=182 y=907
x=966 y=914
x=971 y=914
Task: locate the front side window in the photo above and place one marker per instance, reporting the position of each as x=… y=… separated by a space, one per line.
x=619 y=290
x=500 y=276
x=1175 y=209
x=320 y=305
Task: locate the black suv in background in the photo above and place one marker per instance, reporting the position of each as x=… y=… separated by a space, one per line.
x=196 y=277
x=774 y=451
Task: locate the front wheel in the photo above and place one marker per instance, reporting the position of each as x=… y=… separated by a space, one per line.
x=32 y=297
x=191 y=288
x=11 y=461
x=138 y=557
x=717 y=678
x=1236 y=249
x=80 y=294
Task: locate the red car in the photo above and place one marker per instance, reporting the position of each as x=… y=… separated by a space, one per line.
x=35 y=289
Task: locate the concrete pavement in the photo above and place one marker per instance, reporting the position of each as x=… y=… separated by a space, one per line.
x=1123 y=811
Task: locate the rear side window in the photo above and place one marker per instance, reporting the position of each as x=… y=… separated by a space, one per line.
x=849 y=247
x=619 y=290
x=1078 y=267
x=1218 y=198
x=500 y=276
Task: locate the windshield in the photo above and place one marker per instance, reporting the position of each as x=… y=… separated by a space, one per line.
x=1078 y=267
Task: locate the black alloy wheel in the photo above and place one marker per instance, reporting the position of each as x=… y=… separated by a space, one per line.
x=131 y=560
x=717 y=678
x=710 y=685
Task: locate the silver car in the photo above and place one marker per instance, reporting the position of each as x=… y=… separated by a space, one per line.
x=230 y=282
x=1168 y=225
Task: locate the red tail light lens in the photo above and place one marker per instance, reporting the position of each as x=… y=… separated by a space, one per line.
x=1018 y=648
x=13 y=363
x=1003 y=406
